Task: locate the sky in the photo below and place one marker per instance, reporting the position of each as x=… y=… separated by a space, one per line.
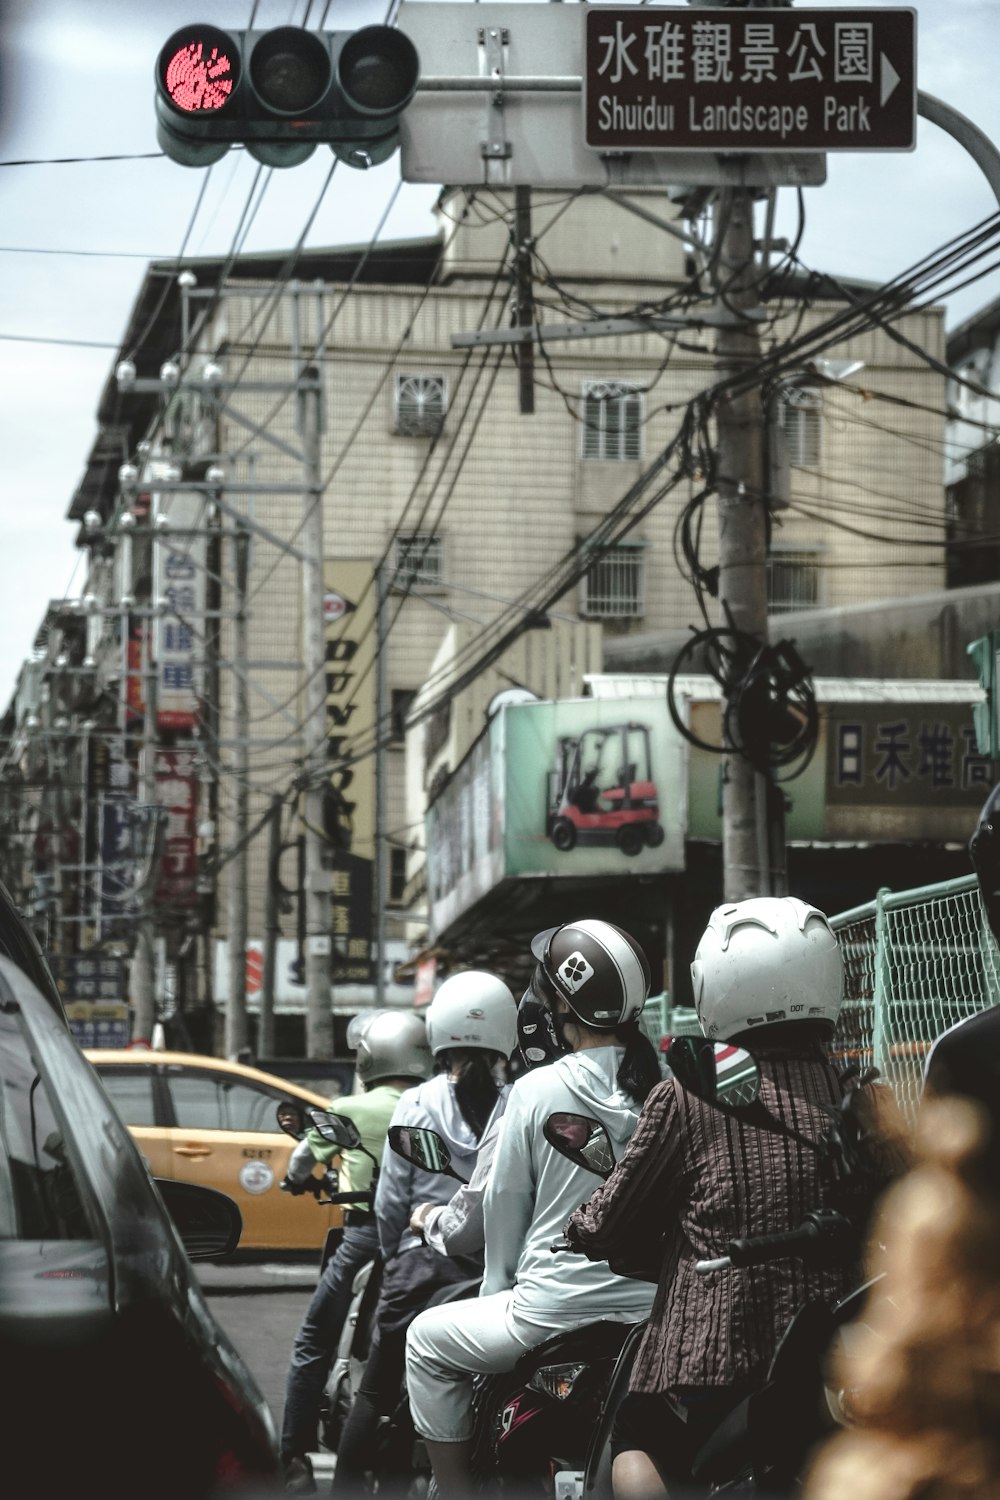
x=76 y=80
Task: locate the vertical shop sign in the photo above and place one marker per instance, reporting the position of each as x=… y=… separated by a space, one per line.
x=179 y=562
x=177 y=793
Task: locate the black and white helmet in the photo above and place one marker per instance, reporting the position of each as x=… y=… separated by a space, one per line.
x=599 y=970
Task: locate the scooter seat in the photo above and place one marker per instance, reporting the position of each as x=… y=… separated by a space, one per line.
x=593 y=1340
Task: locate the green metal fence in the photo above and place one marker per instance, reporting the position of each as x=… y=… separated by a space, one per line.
x=916 y=962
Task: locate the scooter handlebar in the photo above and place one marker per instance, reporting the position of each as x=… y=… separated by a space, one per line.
x=822 y=1235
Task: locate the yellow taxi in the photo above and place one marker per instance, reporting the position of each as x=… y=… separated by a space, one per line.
x=211 y=1122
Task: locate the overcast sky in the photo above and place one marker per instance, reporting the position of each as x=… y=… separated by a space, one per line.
x=76 y=80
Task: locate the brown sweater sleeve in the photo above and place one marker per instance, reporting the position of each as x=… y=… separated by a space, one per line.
x=625 y=1220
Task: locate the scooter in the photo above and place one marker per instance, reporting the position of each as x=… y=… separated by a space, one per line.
x=352 y=1350
x=764 y=1442
x=530 y=1424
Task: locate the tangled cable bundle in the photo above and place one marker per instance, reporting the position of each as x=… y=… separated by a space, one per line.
x=769 y=711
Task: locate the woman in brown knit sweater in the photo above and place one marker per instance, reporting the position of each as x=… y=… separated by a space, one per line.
x=767 y=975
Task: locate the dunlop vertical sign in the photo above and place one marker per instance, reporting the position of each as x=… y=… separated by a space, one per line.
x=349 y=611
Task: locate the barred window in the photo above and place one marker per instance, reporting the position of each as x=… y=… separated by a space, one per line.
x=614 y=587
x=419 y=560
x=792 y=581
x=397 y=875
x=612 y=419
x=421 y=403
x=800 y=417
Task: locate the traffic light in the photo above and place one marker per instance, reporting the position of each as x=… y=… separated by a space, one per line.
x=281 y=93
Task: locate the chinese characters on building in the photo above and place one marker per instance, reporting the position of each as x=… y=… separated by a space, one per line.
x=179 y=559
x=908 y=755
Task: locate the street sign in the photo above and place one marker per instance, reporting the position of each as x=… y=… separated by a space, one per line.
x=500 y=102
x=750 y=80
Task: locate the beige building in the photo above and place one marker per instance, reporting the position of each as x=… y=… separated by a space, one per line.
x=428 y=462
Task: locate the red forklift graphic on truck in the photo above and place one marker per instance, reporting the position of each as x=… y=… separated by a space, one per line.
x=601 y=790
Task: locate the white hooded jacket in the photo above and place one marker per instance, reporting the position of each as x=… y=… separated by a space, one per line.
x=533 y=1189
x=402 y=1186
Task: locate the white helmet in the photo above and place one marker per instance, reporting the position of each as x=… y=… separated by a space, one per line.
x=767 y=960
x=389 y=1044
x=473 y=1009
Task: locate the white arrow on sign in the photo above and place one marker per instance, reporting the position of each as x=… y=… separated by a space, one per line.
x=890 y=77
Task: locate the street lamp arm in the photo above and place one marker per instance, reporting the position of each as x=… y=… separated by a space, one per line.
x=979 y=146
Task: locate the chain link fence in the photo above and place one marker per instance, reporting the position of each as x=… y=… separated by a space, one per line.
x=915 y=963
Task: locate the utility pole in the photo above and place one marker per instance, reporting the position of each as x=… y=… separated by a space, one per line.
x=524 y=307
x=381 y=736
x=265 y=1029
x=237 y=1028
x=309 y=422
x=143 y=959
x=742 y=512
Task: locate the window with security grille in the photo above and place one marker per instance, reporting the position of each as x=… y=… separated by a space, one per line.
x=397 y=875
x=792 y=581
x=614 y=587
x=800 y=418
x=421 y=405
x=612 y=419
x=419 y=561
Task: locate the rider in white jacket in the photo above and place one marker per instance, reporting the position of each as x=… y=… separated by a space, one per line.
x=582 y=1008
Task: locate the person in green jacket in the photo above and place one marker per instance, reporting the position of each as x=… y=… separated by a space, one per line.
x=392 y=1055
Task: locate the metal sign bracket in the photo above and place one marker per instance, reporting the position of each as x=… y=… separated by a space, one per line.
x=493 y=42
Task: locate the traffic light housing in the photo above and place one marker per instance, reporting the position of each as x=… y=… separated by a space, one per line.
x=280 y=93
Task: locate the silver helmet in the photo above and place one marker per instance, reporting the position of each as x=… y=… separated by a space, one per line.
x=390 y=1044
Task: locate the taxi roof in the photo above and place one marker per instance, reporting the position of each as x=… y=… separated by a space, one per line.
x=137 y=1057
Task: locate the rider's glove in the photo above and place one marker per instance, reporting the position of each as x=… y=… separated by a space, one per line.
x=295 y=1188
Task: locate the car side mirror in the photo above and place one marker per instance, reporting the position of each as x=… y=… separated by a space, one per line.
x=717 y=1072
x=338 y=1130
x=423 y=1148
x=209 y=1223
x=292 y=1118
x=583 y=1140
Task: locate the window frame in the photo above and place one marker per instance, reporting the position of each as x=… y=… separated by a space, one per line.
x=429 y=544
x=424 y=425
x=591 y=609
x=795 y=554
x=216 y=1077
x=802 y=401
x=625 y=391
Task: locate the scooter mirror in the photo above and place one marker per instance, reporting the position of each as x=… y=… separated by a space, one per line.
x=292 y=1118
x=337 y=1129
x=423 y=1148
x=717 y=1072
x=583 y=1140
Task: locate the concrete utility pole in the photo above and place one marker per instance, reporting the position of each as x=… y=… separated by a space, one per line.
x=309 y=421
x=265 y=1029
x=237 y=1026
x=143 y=976
x=742 y=511
x=382 y=729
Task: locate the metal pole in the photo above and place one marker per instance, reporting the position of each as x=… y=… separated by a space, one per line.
x=237 y=1027
x=272 y=929
x=382 y=735
x=524 y=310
x=309 y=420
x=143 y=959
x=742 y=523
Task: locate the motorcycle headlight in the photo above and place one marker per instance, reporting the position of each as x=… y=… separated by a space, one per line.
x=556 y=1380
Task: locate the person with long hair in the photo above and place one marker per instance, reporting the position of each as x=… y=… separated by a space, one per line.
x=767 y=974
x=471 y=1031
x=581 y=1015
